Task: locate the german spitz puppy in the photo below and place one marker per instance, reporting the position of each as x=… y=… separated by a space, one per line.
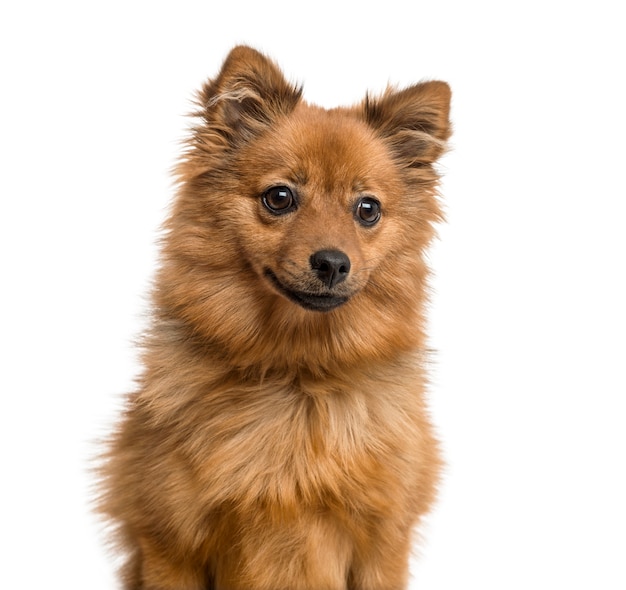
x=278 y=437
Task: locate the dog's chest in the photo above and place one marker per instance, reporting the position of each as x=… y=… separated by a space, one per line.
x=290 y=447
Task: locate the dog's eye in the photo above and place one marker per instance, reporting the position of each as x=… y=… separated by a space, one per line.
x=367 y=211
x=279 y=200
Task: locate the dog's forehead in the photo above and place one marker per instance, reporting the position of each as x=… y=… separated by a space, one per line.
x=333 y=148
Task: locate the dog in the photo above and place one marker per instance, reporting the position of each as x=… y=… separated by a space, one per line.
x=278 y=437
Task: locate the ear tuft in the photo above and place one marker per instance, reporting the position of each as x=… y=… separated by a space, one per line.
x=414 y=121
x=249 y=93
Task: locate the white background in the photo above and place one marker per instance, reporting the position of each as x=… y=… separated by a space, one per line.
x=528 y=312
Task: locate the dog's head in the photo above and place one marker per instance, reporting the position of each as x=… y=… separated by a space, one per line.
x=287 y=210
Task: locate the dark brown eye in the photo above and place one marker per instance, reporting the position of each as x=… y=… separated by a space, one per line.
x=367 y=211
x=279 y=200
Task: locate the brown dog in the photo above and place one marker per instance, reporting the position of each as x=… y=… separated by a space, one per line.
x=278 y=438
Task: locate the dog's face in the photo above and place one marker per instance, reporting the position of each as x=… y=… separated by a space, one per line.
x=287 y=210
x=319 y=192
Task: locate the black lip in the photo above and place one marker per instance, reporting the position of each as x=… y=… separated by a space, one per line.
x=325 y=302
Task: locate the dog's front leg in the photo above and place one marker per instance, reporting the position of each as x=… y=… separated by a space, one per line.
x=383 y=562
x=151 y=569
x=301 y=552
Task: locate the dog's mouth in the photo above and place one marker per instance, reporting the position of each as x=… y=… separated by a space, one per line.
x=307 y=300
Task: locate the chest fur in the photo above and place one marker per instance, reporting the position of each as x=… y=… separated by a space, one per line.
x=283 y=445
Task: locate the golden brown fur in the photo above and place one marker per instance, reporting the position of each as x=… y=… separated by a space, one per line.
x=269 y=445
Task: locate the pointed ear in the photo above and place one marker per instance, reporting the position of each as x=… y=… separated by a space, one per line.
x=249 y=93
x=414 y=121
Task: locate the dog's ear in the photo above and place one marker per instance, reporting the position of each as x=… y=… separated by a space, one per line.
x=414 y=121
x=249 y=93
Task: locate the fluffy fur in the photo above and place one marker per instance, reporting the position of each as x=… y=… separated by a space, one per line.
x=278 y=437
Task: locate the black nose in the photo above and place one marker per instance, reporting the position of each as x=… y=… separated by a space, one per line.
x=330 y=266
